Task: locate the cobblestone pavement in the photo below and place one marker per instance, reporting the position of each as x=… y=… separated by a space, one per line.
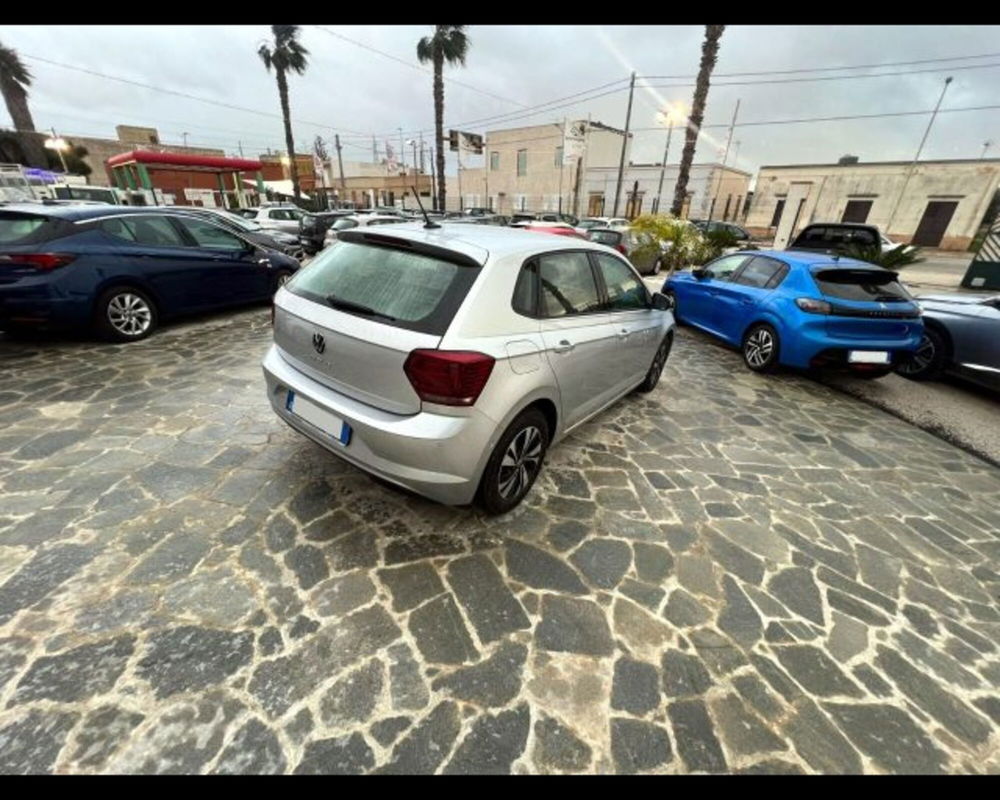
x=734 y=573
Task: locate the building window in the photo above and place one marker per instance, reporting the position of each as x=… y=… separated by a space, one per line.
x=857 y=211
x=729 y=201
x=494 y=161
x=778 y=209
x=559 y=156
x=522 y=163
x=520 y=201
x=736 y=208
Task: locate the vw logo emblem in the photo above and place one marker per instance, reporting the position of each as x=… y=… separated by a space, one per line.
x=319 y=343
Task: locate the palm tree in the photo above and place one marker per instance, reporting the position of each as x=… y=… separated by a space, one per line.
x=14 y=82
x=709 y=52
x=287 y=53
x=449 y=43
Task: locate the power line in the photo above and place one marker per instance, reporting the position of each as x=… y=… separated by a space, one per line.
x=823 y=69
x=178 y=94
x=411 y=65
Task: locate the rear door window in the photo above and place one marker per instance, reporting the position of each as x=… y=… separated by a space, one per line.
x=142 y=229
x=861 y=284
x=567 y=284
x=212 y=236
x=760 y=272
x=610 y=238
x=393 y=286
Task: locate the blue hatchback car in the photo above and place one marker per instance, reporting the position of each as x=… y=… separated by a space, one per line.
x=801 y=309
x=122 y=269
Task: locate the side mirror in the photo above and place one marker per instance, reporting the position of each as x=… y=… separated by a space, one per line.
x=662 y=302
x=700 y=273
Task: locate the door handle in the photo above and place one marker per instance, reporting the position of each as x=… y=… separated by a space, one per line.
x=746 y=301
x=623 y=334
x=563 y=347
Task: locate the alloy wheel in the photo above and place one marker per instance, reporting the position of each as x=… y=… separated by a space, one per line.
x=520 y=462
x=283 y=278
x=759 y=347
x=921 y=359
x=129 y=314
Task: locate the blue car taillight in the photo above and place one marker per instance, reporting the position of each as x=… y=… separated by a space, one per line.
x=44 y=261
x=813 y=306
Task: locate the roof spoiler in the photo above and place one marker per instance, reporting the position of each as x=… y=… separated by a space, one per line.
x=398 y=243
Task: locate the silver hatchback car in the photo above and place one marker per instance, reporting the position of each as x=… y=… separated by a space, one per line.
x=447 y=360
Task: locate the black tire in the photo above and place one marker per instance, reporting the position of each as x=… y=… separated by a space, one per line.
x=280 y=277
x=673 y=296
x=930 y=359
x=656 y=368
x=760 y=348
x=125 y=314
x=656 y=268
x=496 y=476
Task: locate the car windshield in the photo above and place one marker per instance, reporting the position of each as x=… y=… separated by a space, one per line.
x=344 y=224
x=861 y=284
x=605 y=237
x=591 y=223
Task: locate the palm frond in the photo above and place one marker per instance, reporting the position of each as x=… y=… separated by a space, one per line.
x=13 y=68
x=425 y=50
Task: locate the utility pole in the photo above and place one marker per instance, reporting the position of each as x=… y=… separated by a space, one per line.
x=913 y=166
x=581 y=170
x=621 y=161
x=414 y=143
x=725 y=159
x=185 y=135
x=421 y=153
x=374 y=149
x=434 y=195
x=59 y=149
x=562 y=161
x=241 y=148
x=340 y=168
x=461 y=200
x=663 y=169
x=402 y=150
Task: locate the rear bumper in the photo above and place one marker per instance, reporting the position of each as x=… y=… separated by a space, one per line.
x=808 y=343
x=438 y=456
x=43 y=308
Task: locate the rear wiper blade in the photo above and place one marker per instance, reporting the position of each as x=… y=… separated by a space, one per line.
x=889 y=298
x=357 y=308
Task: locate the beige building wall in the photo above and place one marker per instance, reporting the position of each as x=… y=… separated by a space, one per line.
x=970 y=184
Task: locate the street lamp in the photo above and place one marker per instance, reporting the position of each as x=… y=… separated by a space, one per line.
x=60 y=145
x=668 y=118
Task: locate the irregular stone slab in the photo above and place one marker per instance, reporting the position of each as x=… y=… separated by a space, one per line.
x=684 y=611
x=921 y=620
x=797 y=590
x=567 y=534
x=754 y=692
x=490 y=605
x=573 y=688
x=184 y=738
x=696 y=742
x=440 y=633
x=684 y=675
x=312 y=501
x=755 y=538
x=31 y=745
x=13 y=653
x=353 y=698
x=344 y=755
x=641 y=631
x=175 y=557
x=573 y=625
x=190 y=658
x=855 y=589
x=493 y=682
x=254 y=750
x=939 y=662
x=927 y=694
x=735 y=559
x=718 y=652
x=303 y=626
x=889 y=737
x=816 y=671
x=872 y=680
x=342 y=594
x=819 y=743
x=357 y=550
x=697 y=574
x=169 y=483
x=48 y=443
x=848 y=637
x=424 y=748
x=418 y=548
x=411 y=585
x=212 y=597
x=386 y=731
x=635 y=688
x=308 y=563
x=103 y=731
x=557 y=749
x=739 y=618
x=279 y=533
x=624 y=527
x=534 y=567
x=643 y=593
x=46 y=571
x=653 y=564
x=493 y=743
x=855 y=608
x=603 y=562
x=77 y=674
x=280 y=683
x=638 y=746
x=743 y=733
x=771 y=766
x=406 y=685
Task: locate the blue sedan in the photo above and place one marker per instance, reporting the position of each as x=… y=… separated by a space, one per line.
x=801 y=309
x=120 y=270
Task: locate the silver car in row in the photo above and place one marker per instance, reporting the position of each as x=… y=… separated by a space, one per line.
x=447 y=359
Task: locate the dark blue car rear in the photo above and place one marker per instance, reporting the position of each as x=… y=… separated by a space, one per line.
x=121 y=270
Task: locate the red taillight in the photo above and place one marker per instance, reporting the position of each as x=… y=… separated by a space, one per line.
x=621 y=249
x=448 y=377
x=38 y=260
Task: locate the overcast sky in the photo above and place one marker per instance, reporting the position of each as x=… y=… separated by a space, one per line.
x=356 y=92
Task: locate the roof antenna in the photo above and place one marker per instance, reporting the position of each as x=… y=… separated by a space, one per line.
x=427 y=220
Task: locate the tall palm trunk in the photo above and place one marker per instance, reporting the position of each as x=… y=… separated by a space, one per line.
x=289 y=142
x=16 y=100
x=709 y=52
x=439 y=125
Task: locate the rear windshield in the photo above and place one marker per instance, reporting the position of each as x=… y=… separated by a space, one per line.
x=344 y=224
x=17 y=228
x=861 y=284
x=834 y=237
x=419 y=292
x=605 y=237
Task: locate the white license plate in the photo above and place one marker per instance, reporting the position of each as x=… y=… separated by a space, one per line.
x=331 y=424
x=868 y=357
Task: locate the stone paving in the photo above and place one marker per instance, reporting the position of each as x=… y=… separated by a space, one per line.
x=731 y=574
